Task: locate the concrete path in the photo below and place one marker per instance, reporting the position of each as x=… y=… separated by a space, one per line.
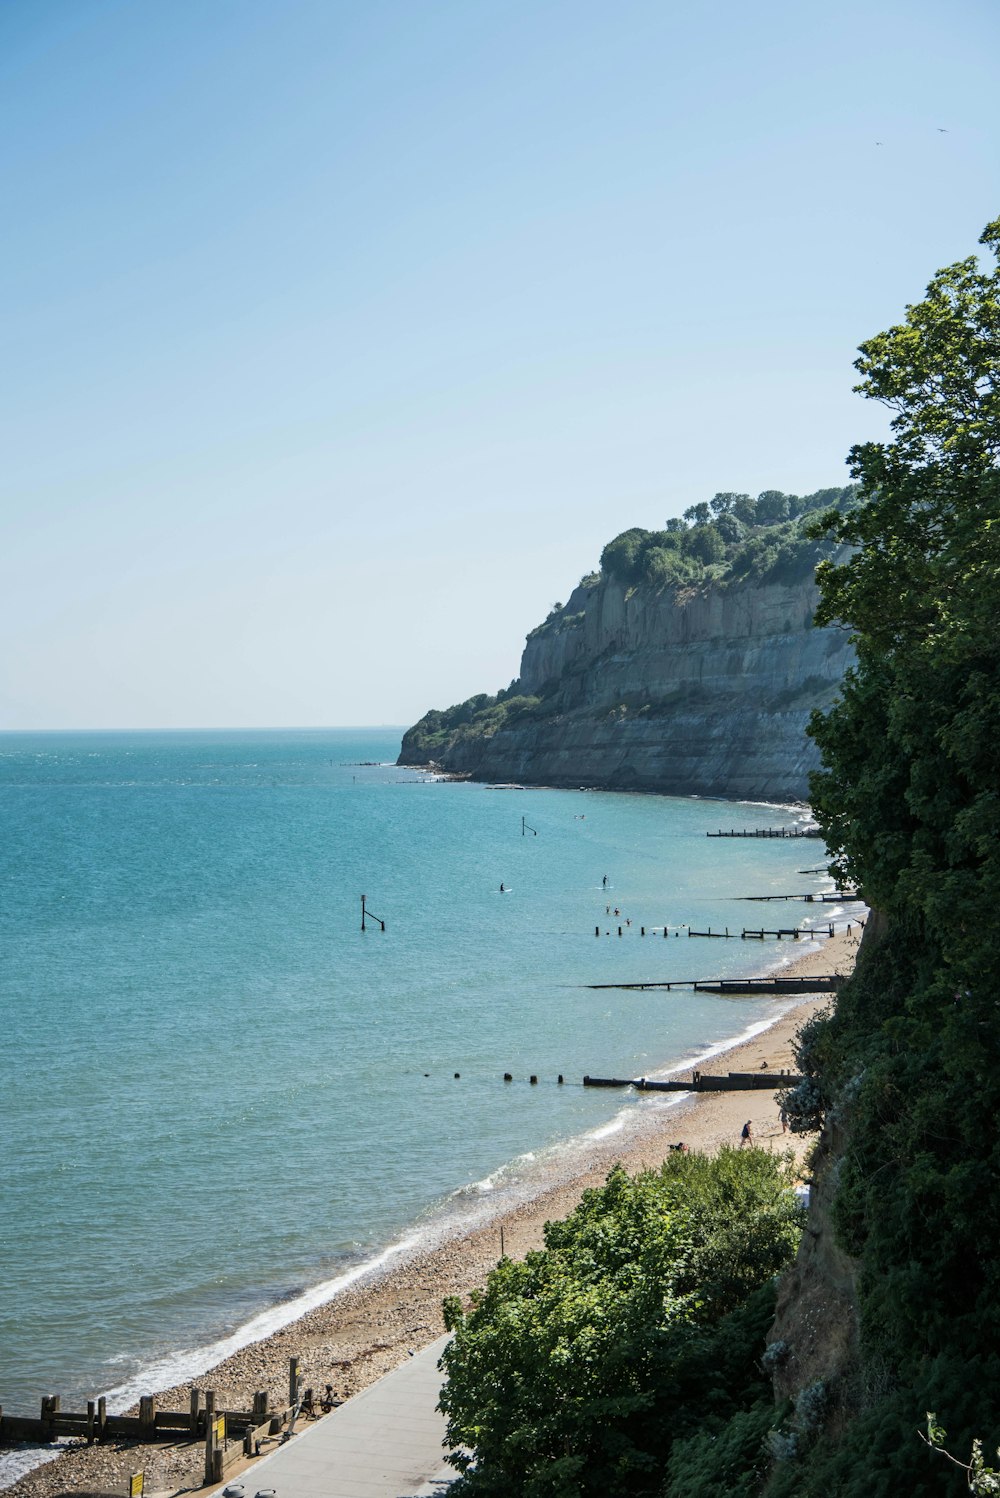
x=383 y=1443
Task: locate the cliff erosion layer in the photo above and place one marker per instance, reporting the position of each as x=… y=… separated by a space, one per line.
x=698 y=690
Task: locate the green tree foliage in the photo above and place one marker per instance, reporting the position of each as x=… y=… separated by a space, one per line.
x=621 y=556
x=478 y=717
x=575 y=1370
x=732 y=538
x=909 y=801
x=705 y=543
x=699 y=514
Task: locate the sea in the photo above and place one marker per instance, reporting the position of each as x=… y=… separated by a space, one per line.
x=221 y=1101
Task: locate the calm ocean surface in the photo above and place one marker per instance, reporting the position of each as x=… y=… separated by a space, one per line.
x=218 y=1098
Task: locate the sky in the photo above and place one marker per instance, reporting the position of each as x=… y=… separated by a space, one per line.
x=339 y=338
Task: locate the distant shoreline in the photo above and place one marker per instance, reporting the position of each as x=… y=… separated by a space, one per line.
x=395 y=1308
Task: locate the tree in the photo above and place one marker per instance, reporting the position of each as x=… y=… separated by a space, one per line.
x=729 y=528
x=908 y=800
x=772 y=507
x=620 y=557
x=698 y=514
x=705 y=543
x=920 y=590
x=575 y=1370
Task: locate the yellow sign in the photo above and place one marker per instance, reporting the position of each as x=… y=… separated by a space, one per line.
x=220 y=1428
x=135 y=1484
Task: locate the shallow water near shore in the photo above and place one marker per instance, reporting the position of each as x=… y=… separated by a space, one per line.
x=220 y=1100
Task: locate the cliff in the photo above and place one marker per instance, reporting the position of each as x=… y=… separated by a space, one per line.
x=693 y=690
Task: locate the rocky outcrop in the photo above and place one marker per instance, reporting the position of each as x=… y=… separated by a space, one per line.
x=698 y=691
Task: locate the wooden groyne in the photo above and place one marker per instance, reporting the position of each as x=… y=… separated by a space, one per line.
x=766 y=832
x=795 y=933
x=828 y=897
x=734 y=1081
x=229 y=1435
x=825 y=983
x=746 y=933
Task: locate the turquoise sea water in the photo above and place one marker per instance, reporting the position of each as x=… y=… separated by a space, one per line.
x=218 y=1098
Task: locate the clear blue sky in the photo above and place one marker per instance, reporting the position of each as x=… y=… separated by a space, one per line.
x=339 y=338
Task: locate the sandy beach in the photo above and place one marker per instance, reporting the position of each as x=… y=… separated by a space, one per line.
x=374 y=1324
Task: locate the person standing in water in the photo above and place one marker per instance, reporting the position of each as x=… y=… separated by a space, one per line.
x=502 y=890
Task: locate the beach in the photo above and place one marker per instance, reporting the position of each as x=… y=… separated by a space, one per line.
x=376 y=1322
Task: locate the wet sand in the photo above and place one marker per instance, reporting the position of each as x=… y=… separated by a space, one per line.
x=375 y=1323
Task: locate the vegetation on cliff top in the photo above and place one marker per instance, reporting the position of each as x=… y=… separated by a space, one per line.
x=733 y=538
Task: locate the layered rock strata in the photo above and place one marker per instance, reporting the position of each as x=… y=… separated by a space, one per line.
x=698 y=691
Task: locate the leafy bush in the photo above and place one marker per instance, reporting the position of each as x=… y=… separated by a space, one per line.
x=728 y=1459
x=574 y=1371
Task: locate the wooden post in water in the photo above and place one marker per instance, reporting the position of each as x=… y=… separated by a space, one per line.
x=50 y=1409
x=372 y=917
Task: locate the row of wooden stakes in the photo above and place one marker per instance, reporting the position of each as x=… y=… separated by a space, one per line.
x=229 y=1435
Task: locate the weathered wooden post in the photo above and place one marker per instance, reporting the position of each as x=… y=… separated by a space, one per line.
x=91 y=1419
x=211 y=1436
x=50 y=1409
x=210 y=1450
x=102 y=1418
x=193 y=1417
x=293 y=1381
x=147 y=1415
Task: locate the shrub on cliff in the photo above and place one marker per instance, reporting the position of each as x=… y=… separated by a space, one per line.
x=575 y=1370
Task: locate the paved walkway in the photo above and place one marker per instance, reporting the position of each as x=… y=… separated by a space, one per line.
x=383 y=1443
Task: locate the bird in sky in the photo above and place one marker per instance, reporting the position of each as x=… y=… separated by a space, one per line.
x=941 y=130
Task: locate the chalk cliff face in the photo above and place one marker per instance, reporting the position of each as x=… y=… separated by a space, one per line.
x=704 y=690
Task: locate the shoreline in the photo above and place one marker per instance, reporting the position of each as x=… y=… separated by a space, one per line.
x=393 y=1308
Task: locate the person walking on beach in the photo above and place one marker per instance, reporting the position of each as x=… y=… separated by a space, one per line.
x=746 y=1137
x=783 y=1116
